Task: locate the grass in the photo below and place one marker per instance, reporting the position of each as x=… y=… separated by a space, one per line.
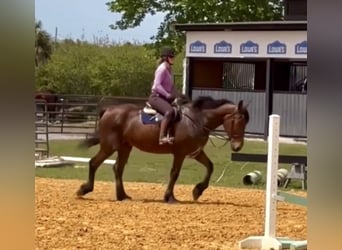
x=146 y=167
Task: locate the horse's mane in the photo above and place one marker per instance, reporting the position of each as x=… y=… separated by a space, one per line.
x=207 y=102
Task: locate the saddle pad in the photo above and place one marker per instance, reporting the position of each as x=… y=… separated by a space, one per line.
x=149 y=119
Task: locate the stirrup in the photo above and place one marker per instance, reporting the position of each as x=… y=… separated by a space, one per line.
x=165 y=140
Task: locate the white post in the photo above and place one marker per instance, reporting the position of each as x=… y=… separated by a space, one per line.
x=184 y=75
x=271 y=181
x=269 y=241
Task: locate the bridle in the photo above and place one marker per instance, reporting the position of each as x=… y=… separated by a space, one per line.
x=217 y=134
x=232 y=123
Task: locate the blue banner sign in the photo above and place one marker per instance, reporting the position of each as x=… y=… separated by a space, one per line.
x=198 y=47
x=249 y=47
x=301 y=48
x=223 y=48
x=276 y=48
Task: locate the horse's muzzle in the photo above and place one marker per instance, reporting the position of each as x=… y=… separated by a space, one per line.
x=236 y=145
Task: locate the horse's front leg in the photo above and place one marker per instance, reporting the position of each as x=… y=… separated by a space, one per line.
x=176 y=167
x=200 y=187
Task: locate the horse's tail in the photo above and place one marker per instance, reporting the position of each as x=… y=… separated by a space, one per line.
x=94 y=139
x=102 y=111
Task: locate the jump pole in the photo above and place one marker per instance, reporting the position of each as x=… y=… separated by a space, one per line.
x=269 y=240
x=85 y=160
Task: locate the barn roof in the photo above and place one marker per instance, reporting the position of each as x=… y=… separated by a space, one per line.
x=241 y=26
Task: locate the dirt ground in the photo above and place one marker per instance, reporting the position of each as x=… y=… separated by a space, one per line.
x=219 y=220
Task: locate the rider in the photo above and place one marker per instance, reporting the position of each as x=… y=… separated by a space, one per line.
x=164 y=92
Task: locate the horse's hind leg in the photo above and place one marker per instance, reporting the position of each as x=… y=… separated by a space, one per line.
x=200 y=187
x=94 y=163
x=118 y=168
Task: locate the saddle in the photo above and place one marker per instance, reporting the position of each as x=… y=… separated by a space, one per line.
x=149 y=110
x=149 y=115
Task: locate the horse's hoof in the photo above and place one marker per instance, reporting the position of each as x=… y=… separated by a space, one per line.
x=124 y=197
x=171 y=200
x=84 y=189
x=195 y=196
x=196 y=193
x=80 y=192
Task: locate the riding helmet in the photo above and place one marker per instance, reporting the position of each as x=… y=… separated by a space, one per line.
x=167 y=51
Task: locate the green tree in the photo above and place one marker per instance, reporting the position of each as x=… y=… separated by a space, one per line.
x=190 y=11
x=89 y=69
x=43 y=45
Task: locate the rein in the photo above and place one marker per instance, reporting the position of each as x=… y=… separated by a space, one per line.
x=221 y=138
x=215 y=134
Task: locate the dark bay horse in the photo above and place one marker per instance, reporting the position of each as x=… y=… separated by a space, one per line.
x=120 y=128
x=51 y=100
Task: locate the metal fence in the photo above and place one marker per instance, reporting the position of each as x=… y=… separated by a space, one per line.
x=78 y=115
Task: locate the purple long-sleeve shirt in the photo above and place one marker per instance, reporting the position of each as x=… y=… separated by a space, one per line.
x=163 y=82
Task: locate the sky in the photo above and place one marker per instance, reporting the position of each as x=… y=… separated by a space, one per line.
x=78 y=19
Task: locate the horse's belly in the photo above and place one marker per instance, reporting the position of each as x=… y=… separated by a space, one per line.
x=151 y=145
x=146 y=138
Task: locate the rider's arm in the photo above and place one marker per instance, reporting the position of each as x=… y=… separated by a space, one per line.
x=175 y=92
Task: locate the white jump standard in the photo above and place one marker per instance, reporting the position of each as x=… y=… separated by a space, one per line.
x=269 y=241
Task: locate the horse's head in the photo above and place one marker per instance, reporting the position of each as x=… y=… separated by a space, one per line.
x=234 y=124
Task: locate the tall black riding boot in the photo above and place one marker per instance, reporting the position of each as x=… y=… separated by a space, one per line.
x=163 y=129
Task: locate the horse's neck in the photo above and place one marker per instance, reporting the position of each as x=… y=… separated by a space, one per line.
x=214 y=117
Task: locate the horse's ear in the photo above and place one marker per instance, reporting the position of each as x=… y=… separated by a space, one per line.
x=240 y=105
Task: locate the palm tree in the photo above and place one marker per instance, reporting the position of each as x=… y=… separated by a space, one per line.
x=43 y=45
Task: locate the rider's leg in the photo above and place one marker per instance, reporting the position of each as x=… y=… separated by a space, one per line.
x=164 y=108
x=168 y=117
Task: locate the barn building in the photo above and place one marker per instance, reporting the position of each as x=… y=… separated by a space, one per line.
x=262 y=63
